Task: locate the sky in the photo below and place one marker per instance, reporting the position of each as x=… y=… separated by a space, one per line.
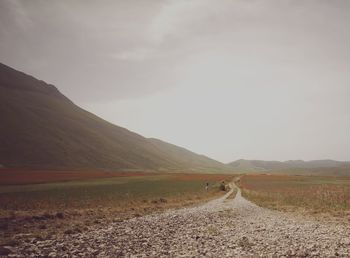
x=229 y=79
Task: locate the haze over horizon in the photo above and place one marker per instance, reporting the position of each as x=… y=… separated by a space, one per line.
x=240 y=79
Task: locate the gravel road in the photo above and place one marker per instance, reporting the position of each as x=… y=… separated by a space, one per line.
x=219 y=228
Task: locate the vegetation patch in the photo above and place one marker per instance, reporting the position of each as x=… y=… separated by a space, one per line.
x=33 y=210
x=311 y=193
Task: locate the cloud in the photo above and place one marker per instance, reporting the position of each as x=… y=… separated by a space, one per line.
x=138 y=54
x=171 y=23
x=14 y=14
x=225 y=78
x=174 y=18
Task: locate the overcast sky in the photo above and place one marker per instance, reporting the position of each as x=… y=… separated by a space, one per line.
x=229 y=79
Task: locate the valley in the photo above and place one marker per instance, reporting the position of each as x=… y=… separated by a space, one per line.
x=75 y=185
x=222 y=227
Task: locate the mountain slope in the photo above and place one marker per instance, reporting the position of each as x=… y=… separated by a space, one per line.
x=262 y=165
x=41 y=128
x=186 y=157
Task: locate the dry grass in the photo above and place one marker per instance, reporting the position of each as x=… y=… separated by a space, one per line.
x=42 y=210
x=311 y=193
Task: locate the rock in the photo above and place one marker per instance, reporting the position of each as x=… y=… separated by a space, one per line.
x=4 y=250
x=60 y=215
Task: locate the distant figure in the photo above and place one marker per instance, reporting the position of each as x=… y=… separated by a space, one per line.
x=222 y=186
x=207 y=186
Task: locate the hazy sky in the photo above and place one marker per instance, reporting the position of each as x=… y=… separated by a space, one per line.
x=229 y=79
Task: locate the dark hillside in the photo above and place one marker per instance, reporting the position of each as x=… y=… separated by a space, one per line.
x=41 y=128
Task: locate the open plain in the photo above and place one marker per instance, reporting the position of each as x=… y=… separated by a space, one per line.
x=223 y=227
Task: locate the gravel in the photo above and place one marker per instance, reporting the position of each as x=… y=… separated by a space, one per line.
x=220 y=228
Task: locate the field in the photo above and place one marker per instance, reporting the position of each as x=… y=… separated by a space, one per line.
x=23 y=176
x=312 y=194
x=30 y=207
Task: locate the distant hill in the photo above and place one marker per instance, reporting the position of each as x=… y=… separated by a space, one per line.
x=261 y=165
x=41 y=128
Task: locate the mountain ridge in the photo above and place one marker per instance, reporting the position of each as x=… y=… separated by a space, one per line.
x=263 y=165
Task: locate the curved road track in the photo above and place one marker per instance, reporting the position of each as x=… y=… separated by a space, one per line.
x=220 y=228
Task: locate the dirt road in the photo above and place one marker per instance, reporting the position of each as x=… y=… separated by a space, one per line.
x=223 y=227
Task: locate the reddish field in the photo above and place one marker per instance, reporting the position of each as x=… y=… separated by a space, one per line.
x=191 y=177
x=23 y=176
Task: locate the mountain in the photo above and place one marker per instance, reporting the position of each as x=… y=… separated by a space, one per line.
x=41 y=128
x=256 y=165
x=186 y=157
x=261 y=165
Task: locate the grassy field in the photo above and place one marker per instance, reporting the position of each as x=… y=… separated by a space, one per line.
x=331 y=171
x=314 y=194
x=74 y=206
x=102 y=192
